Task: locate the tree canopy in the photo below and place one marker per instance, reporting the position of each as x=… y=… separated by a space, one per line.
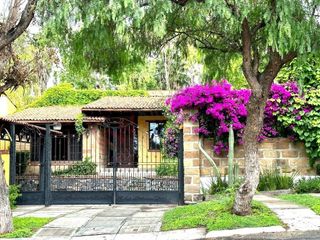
x=112 y=36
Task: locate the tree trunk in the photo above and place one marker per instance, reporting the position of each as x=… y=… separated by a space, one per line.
x=5 y=210
x=254 y=123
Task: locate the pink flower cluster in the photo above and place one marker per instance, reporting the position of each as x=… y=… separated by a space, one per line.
x=218 y=106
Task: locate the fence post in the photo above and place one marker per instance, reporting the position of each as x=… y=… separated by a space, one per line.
x=180 y=168
x=47 y=166
x=12 y=154
x=115 y=155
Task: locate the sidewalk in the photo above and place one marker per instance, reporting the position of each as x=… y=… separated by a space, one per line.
x=296 y=217
x=139 y=222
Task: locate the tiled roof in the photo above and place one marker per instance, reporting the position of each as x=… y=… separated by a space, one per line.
x=52 y=113
x=8 y=121
x=114 y=103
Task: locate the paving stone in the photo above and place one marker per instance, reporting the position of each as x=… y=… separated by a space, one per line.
x=315 y=194
x=148 y=214
x=45 y=214
x=97 y=237
x=97 y=231
x=105 y=222
x=140 y=228
x=296 y=217
x=118 y=212
x=54 y=232
x=85 y=213
x=62 y=222
x=187 y=234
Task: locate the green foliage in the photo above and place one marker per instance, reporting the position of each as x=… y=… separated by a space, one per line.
x=311 y=185
x=217 y=215
x=169 y=167
x=14 y=193
x=305 y=70
x=26 y=226
x=85 y=167
x=217 y=186
x=307 y=126
x=120 y=35
x=305 y=200
x=318 y=169
x=65 y=94
x=271 y=180
x=79 y=125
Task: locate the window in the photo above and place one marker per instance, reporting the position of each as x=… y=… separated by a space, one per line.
x=67 y=147
x=155 y=131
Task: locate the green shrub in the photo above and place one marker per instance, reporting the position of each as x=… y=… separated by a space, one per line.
x=85 y=167
x=311 y=185
x=14 y=193
x=65 y=94
x=271 y=180
x=218 y=186
x=318 y=169
x=167 y=169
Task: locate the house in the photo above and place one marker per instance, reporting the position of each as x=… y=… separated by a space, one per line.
x=132 y=120
x=110 y=146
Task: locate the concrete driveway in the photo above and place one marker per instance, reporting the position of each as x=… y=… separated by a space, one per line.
x=83 y=221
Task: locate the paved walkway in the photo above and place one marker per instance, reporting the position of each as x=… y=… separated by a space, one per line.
x=296 y=217
x=81 y=222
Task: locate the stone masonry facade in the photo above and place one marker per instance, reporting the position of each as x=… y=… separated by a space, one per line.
x=274 y=153
x=192 y=167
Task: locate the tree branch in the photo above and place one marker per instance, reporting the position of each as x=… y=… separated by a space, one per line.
x=16 y=31
x=247 y=59
x=232 y=7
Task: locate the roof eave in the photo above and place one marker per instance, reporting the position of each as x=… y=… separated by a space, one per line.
x=121 y=110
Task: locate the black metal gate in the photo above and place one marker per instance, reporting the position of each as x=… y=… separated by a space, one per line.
x=110 y=163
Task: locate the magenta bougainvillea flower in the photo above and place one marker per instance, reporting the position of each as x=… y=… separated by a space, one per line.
x=219 y=106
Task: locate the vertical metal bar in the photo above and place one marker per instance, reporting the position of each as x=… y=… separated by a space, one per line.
x=181 y=169
x=114 y=133
x=12 y=154
x=47 y=167
x=42 y=156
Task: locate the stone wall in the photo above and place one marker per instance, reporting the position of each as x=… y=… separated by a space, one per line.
x=192 y=170
x=279 y=153
x=274 y=153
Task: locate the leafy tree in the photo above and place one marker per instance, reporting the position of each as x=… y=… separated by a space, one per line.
x=13 y=23
x=265 y=34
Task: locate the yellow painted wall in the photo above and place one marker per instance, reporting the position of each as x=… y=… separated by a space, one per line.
x=146 y=157
x=4 y=151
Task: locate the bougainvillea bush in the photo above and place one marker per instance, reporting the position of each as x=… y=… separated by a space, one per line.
x=217 y=106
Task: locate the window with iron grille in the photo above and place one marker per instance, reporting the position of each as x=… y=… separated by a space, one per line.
x=155 y=132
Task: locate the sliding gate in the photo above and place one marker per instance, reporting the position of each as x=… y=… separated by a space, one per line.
x=110 y=163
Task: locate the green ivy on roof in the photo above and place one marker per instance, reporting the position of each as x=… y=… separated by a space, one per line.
x=64 y=94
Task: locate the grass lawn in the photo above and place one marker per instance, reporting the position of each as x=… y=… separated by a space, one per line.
x=26 y=226
x=216 y=215
x=303 y=199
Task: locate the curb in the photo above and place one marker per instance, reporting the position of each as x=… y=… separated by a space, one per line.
x=244 y=231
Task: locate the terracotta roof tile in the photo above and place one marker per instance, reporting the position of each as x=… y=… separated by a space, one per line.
x=52 y=113
x=127 y=104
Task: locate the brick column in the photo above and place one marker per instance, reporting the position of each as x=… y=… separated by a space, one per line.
x=191 y=162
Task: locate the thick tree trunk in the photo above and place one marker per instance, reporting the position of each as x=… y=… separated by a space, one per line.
x=244 y=195
x=5 y=210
